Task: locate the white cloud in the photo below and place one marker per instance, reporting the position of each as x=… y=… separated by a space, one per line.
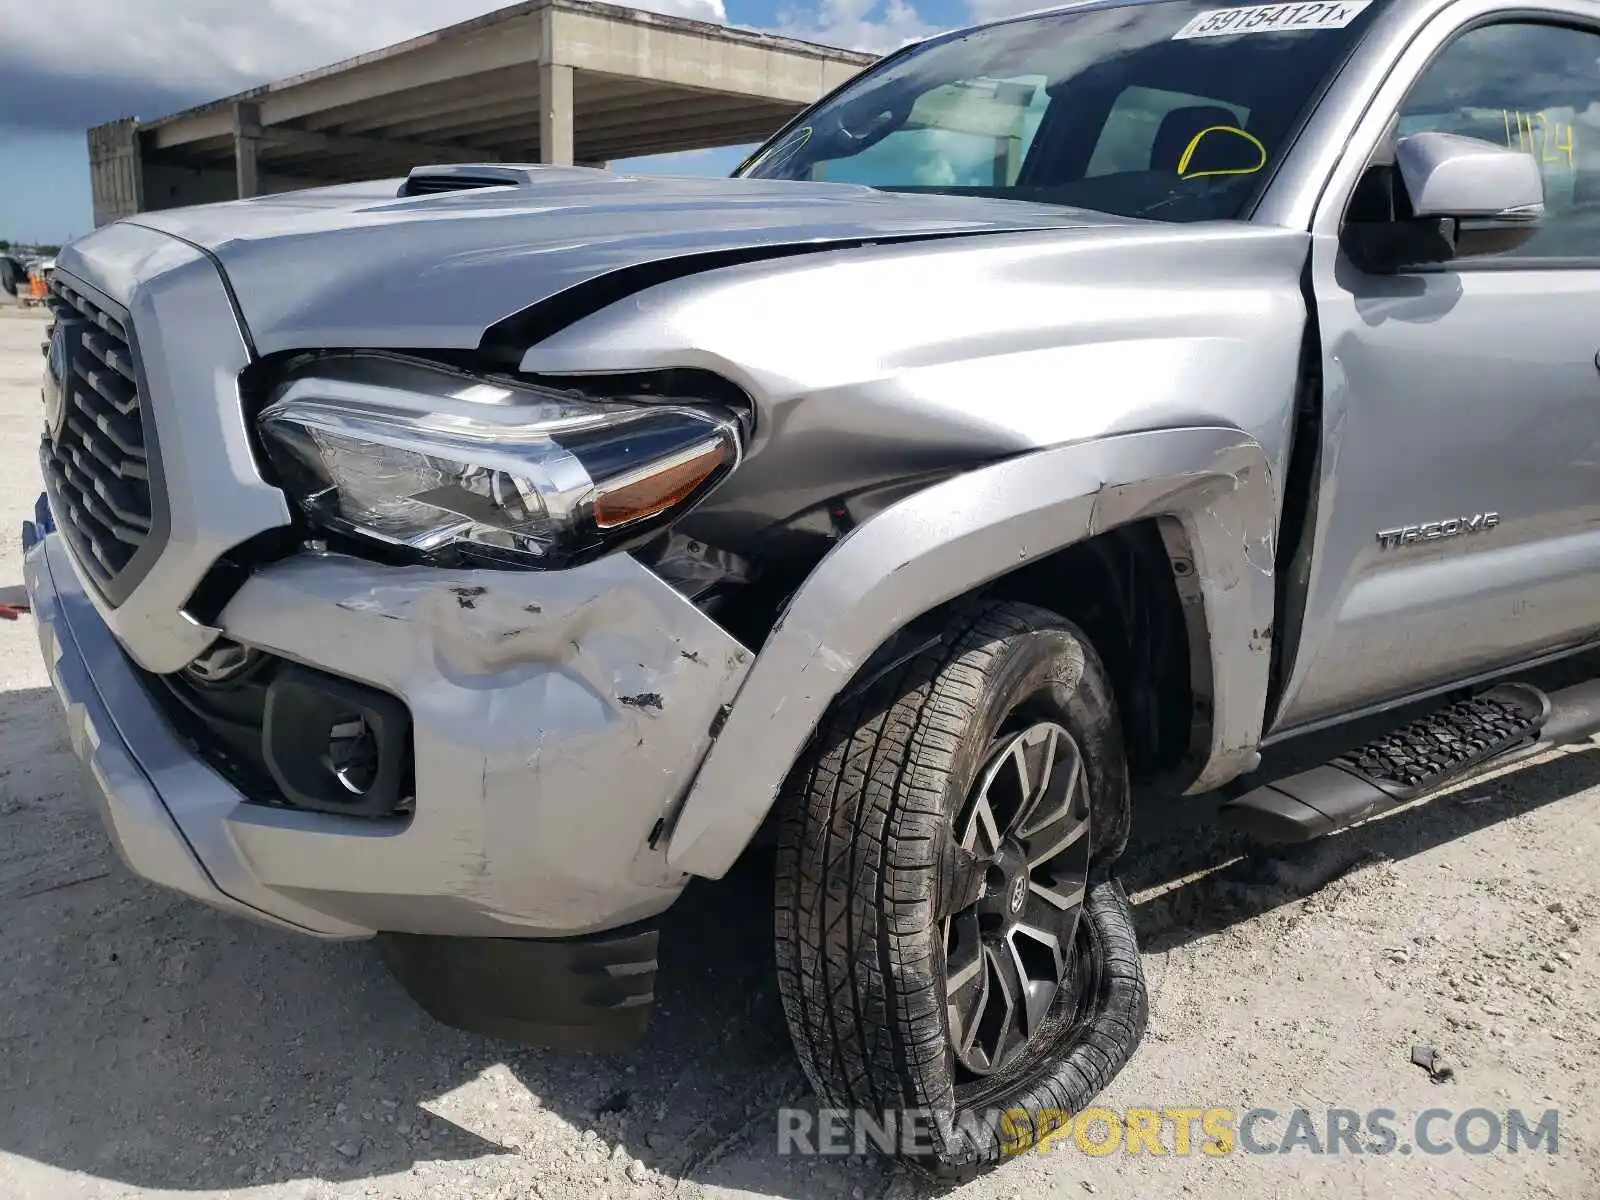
x=876 y=25
x=993 y=10
x=69 y=64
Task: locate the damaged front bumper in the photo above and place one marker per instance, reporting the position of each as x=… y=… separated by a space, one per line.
x=556 y=718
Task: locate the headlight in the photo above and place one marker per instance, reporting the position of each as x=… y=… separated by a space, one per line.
x=454 y=469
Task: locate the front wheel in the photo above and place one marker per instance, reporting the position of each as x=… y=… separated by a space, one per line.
x=950 y=946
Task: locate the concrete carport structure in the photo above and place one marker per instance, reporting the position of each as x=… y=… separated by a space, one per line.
x=550 y=81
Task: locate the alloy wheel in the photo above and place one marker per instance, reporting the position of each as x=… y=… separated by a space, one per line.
x=1013 y=895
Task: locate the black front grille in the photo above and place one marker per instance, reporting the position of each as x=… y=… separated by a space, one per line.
x=96 y=457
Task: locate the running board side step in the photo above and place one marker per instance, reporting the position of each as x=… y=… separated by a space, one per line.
x=1494 y=728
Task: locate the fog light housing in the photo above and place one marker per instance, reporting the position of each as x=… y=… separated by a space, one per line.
x=335 y=746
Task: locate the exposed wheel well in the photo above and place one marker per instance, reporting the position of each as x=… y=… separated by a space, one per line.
x=1131 y=590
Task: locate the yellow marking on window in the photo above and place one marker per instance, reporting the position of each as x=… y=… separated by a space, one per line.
x=1548 y=141
x=1551 y=140
x=1194 y=142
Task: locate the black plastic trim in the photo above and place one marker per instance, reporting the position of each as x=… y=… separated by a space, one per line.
x=592 y=993
x=300 y=706
x=1403 y=764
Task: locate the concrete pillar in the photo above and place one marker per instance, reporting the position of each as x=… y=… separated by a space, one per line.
x=246 y=146
x=555 y=114
x=116 y=171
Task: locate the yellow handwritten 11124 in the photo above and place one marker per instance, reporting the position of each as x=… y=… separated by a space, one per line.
x=1534 y=132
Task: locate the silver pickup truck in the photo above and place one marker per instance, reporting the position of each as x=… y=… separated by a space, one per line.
x=1094 y=400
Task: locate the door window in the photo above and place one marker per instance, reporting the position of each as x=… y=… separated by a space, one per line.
x=1535 y=88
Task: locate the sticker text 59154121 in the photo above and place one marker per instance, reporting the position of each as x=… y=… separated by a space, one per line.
x=1271 y=18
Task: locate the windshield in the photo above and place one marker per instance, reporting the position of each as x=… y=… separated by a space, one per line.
x=1171 y=110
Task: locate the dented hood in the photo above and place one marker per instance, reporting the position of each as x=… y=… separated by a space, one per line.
x=360 y=266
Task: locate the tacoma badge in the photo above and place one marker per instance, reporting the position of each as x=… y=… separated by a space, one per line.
x=1433 y=531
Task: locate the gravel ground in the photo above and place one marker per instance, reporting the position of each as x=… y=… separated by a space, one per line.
x=150 y=1047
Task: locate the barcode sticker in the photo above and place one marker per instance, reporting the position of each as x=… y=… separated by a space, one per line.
x=1271 y=18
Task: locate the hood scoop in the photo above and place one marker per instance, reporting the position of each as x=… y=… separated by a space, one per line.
x=430 y=181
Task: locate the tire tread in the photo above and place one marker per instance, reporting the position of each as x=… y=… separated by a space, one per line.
x=862 y=816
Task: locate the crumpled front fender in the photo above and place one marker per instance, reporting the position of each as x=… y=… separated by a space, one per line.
x=1215 y=483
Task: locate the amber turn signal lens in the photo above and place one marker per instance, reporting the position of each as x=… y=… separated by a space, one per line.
x=666 y=485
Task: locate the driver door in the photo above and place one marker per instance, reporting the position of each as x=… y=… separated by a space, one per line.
x=1461 y=402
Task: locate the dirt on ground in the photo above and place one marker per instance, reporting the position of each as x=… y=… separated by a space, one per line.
x=151 y=1047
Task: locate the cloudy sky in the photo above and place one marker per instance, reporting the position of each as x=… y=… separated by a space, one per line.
x=68 y=64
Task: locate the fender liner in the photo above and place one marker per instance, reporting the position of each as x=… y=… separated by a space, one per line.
x=1215 y=483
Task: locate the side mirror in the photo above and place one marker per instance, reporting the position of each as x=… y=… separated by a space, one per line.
x=1466 y=197
x=1469 y=179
